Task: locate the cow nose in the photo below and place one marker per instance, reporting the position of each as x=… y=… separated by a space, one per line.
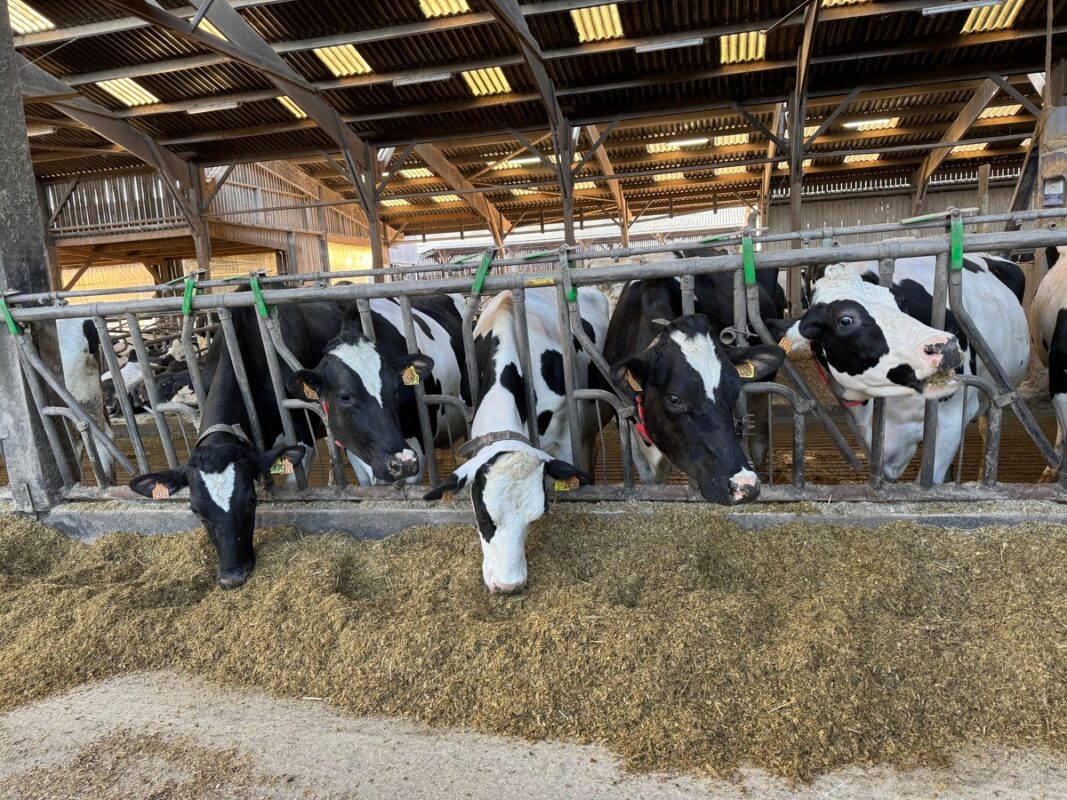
x=403 y=465
x=943 y=352
x=744 y=487
x=234 y=578
x=499 y=587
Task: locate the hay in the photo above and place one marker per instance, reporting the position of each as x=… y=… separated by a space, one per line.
x=677 y=640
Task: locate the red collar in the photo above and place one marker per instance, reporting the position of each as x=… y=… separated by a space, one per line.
x=826 y=381
x=642 y=429
x=326 y=413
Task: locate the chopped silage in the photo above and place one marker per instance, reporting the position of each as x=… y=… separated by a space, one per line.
x=677 y=640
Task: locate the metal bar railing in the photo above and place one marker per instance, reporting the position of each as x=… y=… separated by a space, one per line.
x=522 y=336
x=937 y=320
x=150 y=388
x=277 y=382
x=122 y=395
x=428 y=445
x=569 y=368
x=237 y=363
x=801 y=407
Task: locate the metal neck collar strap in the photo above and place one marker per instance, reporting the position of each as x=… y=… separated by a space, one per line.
x=233 y=430
x=473 y=446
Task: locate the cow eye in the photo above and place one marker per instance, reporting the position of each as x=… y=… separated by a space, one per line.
x=345 y=397
x=673 y=399
x=845 y=320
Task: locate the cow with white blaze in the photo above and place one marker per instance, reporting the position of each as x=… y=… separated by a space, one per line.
x=224 y=467
x=505 y=472
x=368 y=388
x=872 y=341
x=1048 y=331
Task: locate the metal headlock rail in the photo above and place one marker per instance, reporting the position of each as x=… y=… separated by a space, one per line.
x=187 y=299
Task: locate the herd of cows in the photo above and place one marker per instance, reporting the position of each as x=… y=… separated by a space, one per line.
x=867 y=340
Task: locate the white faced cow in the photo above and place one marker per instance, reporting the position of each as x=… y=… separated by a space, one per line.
x=874 y=342
x=507 y=474
x=1048 y=330
x=367 y=389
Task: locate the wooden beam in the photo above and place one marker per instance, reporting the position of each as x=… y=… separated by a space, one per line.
x=436 y=160
x=968 y=114
x=777 y=122
x=606 y=167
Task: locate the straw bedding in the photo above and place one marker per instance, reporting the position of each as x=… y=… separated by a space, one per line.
x=675 y=639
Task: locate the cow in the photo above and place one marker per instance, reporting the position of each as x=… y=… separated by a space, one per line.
x=366 y=393
x=224 y=466
x=1048 y=332
x=873 y=341
x=505 y=472
x=79 y=352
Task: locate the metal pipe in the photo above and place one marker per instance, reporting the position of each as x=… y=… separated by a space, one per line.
x=241 y=375
x=29 y=354
x=366 y=321
x=149 y=379
x=428 y=444
x=522 y=336
x=99 y=473
x=800 y=408
x=192 y=359
x=275 y=370
x=688 y=300
x=937 y=320
x=337 y=470
x=624 y=412
x=119 y=385
x=469 y=355
x=569 y=368
x=886 y=269
x=1025 y=239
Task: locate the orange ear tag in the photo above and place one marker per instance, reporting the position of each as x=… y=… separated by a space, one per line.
x=632 y=381
x=410 y=377
x=310 y=393
x=567 y=485
x=746 y=370
x=785 y=344
x=160 y=492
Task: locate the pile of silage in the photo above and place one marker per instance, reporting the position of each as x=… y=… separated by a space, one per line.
x=676 y=639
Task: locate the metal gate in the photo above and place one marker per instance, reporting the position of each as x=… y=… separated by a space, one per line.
x=173 y=314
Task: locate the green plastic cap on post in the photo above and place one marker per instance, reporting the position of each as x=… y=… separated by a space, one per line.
x=483 y=270
x=748 y=260
x=257 y=293
x=187 y=297
x=12 y=326
x=955 y=260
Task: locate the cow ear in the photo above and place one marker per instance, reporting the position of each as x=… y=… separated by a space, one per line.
x=450 y=484
x=413 y=368
x=562 y=471
x=159 y=485
x=812 y=325
x=630 y=376
x=306 y=384
x=756 y=363
x=274 y=461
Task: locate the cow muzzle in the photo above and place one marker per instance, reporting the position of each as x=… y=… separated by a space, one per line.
x=500 y=587
x=744 y=487
x=942 y=353
x=404 y=464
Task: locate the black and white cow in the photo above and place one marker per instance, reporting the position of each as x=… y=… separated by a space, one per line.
x=686 y=382
x=223 y=468
x=1048 y=331
x=79 y=352
x=507 y=473
x=873 y=341
x=368 y=392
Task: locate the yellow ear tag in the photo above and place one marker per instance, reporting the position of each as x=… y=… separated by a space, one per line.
x=410 y=377
x=281 y=467
x=746 y=370
x=785 y=344
x=310 y=393
x=630 y=379
x=160 y=492
x=566 y=485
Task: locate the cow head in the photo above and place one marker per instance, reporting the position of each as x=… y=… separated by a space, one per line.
x=221 y=476
x=869 y=345
x=507 y=481
x=359 y=391
x=685 y=385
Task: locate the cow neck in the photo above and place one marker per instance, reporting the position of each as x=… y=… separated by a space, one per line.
x=826 y=382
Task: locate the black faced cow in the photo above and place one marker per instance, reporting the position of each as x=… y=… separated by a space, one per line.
x=224 y=466
x=506 y=473
x=1048 y=331
x=873 y=341
x=368 y=391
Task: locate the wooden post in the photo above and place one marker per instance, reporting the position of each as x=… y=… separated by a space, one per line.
x=983 y=195
x=32 y=471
